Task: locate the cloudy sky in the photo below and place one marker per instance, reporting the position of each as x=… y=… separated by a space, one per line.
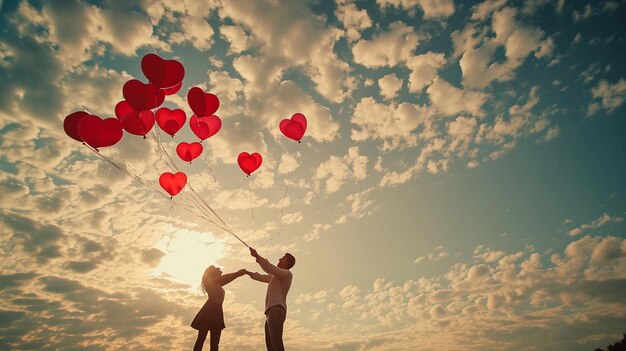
x=460 y=185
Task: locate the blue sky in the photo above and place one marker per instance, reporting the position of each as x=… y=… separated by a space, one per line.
x=460 y=182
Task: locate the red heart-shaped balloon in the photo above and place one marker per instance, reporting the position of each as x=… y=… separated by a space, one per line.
x=98 y=132
x=249 y=163
x=123 y=108
x=201 y=103
x=205 y=127
x=173 y=183
x=189 y=151
x=170 y=121
x=162 y=73
x=70 y=124
x=173 y=90
x=138 y=124
x=142 y=96
x=293 y=128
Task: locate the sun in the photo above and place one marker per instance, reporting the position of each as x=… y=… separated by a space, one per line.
x=187 y=254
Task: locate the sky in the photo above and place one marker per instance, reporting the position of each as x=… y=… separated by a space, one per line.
x=460 y=184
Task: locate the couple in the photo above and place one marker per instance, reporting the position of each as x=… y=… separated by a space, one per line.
x=211 y=316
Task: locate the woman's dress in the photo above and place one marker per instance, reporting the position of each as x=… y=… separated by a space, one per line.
x=211 y=315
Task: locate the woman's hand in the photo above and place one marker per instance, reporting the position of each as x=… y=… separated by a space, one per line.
x=242 y=272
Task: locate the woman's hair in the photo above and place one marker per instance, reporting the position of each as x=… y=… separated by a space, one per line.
x=208 y=275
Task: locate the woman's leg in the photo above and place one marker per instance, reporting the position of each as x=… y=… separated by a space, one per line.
x=215 y=339
x=200 y=340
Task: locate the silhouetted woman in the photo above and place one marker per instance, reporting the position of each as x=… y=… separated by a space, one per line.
x=211 y=315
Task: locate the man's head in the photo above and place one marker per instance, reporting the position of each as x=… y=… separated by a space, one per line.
x=287 y=261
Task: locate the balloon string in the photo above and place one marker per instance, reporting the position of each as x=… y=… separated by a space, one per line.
x=161 y=152
x=282 y=201
x=200 y=202
x=219 y=190
x=198 y=199
x=135 y=174
x=127 y=172
x=203 y=214
x=251 y=208
x=203 y=202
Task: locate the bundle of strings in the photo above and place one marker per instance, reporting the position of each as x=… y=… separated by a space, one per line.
x=194 y=203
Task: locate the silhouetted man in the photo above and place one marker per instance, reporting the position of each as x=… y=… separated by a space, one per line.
x=279 y=281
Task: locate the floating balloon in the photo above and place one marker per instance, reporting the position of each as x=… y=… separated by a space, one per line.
x=70 y=124
x=123 y=108
x=173 y=183
x=98 y=132
x=205 y=127
x=201 y=103
x=173 y=90
x=170 y=121
x=138 y=123
x=162 y=73
x=293 y=128
x=189 y=151
x=249 y=163
x=142 y=96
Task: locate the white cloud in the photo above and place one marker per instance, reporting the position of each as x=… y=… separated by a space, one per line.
x=388 y=48
x=518 y=41
x=424 y=69
x=314 y=234
x=437 y=255
x=462 y=131
x=337 y=170
x=120 y=24
x=360 y=206
x=239 y=40
x=393 y=124
x=288 y=163
x=354 y=20
x=611 y=96
x=431 y=8
x=395 y=178
x=289 y=35
x=389 y=86
x=522 y=121
x=197 y=31
x=227 y=89
x=595 y=224
x=450 y=100
x=484 y=9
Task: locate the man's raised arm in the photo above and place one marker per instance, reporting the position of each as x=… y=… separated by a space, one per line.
x=268 y=267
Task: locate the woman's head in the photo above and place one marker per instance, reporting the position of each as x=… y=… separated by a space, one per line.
x=210 y=273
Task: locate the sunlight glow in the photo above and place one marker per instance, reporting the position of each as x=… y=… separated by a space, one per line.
x=187 y=254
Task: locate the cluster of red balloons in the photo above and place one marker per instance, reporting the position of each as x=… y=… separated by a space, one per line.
x=134 y=115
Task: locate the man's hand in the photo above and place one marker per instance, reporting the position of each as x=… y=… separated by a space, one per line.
x=254 y=253
x=242 y=272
